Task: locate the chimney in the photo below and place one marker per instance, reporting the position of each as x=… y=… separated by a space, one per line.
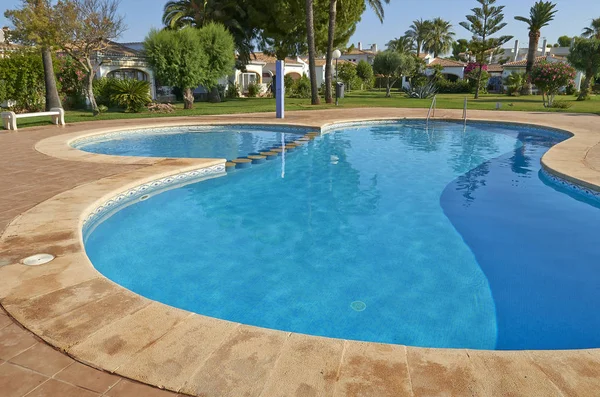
x=544 y=46
x=359 y=46
x=516 y=51
x=374 y=48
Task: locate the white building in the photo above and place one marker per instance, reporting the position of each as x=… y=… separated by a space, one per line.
x=359 y=54
x=520 y=67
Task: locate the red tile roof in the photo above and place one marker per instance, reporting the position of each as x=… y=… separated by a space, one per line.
x=447 y=63
x=523 y=62
x=262 y=57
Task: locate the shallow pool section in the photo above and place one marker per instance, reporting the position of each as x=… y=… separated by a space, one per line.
x=390 y=232
x=228 y=142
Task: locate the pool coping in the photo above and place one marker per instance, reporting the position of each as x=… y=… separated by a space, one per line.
x=73 y=307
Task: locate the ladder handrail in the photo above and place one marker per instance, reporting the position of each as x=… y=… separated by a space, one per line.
x=432 y=106
x=465 y=111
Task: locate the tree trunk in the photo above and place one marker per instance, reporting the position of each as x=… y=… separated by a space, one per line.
x=310 y=35
x=215 y=97
x=534 y=38
x=52 y=98
x=329 y=56
x=478 y=80
x=90 y=93
x=188 y=98
x=585 y=86
x=388 y=88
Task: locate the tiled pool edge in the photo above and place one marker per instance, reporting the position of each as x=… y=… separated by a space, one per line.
x=518 y=354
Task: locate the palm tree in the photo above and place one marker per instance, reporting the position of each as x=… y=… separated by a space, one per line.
x=540 y=15
x=440 y=37
x=593 y=31
x=180 y=13
x=310 y=37
x=402 y=45
x=419 y=31
x=376 y=5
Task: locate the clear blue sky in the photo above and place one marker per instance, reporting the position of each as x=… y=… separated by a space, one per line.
x=573 y=15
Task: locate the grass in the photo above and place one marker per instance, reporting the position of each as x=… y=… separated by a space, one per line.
x=352 y=100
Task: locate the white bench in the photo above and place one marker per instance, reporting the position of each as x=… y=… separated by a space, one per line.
x=9 y=119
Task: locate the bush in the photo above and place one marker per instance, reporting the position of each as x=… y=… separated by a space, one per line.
x=233 y=91
x=102 y=91
x=561 y=104
x=253 y=90
x=301 y=88
x=421 y=91
x=23 y=77
x=445 y=86
x=515 y=83
x=102 y=109
x=288 y=83
x=550 y=77
x=221 y=90
x=130 y=94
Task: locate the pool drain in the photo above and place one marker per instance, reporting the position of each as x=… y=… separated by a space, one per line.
x=358 y=306
x=38 y=259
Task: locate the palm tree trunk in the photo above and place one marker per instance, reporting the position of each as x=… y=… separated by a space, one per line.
x=329 y=56
x=534 y=38
x=52 y=98
x=310 y=35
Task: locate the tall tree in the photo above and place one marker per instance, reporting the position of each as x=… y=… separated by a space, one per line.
x=483 y=23
x=85 y=28
x=540 y=15
x=310 y=39
x=592 y=31
x=440 y=37
x=419 y=32
x=376 y=5
x=402 y=45
x=585 y=56
x=230 y=13
x=35 y=23
x=564 y=41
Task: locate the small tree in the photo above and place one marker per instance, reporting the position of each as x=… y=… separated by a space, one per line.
x=564 y=41
x=392 y=66
x=485 y=21
x=22 y=80
x=585 y=56
x=364 y=71
x=85 y=28
x=177 y=59
x=219 y=49
x=550 y=77
x=346 y=72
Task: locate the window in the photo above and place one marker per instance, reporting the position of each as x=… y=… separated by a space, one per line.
x=246 y=79
x=123 y=74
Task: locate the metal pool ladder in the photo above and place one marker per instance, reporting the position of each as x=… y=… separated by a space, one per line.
x=431 y=108
x=465 y=112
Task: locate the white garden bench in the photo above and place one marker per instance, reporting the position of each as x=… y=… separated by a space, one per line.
x=9 y=119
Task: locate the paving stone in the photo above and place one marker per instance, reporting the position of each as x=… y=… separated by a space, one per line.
x=87 y=377
x=372 y=369
x=307 y=366
x=14 y=340
x=4 y=320
x=127 y=388
x=43 y=359
x=16 y=381
x=55 y=388
x=240 y=366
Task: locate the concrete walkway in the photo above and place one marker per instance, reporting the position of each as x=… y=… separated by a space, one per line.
x=288 y=364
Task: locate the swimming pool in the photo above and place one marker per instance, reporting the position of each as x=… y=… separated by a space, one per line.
x=385 y=232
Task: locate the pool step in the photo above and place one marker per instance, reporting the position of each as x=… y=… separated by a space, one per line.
x=242 y=162
x=257 y=158
x=270 y=155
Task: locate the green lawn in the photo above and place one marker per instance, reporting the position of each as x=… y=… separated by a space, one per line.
x=352 y=100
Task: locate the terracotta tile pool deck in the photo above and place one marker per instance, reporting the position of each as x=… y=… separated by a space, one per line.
x=68 y=331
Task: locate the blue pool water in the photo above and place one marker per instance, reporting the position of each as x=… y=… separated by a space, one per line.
x=439 y=238
x=189 y=142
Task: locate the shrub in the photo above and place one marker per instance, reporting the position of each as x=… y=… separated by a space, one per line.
x=288 y=82
x=561 y=104
x=445 y=86
x=550 y=77
x=221 y=89
x=233 y=91
x=301 y=88
x=161 y=107
x=421 y=91
x=102 y=109
x=515 y=83
x=253 y=90
x=102 y=91
x=23 y=77
x=472 y=78
x=130 y=94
